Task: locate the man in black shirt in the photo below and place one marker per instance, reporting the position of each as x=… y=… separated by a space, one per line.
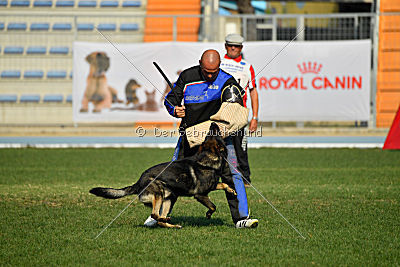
x=201 y=89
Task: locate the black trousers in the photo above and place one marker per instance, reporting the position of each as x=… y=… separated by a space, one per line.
x=241 y=155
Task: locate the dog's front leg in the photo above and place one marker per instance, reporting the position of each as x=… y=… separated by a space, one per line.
x=164 y=221
x=205 y=200
x=223 y=186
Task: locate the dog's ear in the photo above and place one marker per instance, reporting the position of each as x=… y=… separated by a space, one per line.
x=214 y=130
x=103 y=61
x=89 y=58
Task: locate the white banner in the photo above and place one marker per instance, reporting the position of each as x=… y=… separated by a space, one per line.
x=306 y=81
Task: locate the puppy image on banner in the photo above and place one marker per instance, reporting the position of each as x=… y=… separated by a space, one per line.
x=97 y=89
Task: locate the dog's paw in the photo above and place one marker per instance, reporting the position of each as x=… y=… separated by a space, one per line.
x=83 y=110
x=209 y=213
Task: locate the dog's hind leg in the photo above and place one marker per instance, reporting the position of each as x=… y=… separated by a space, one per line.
x=223 y=186
x=163 y=221
x=205 y=200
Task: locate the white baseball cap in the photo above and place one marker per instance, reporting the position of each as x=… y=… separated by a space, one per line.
x=234 y=39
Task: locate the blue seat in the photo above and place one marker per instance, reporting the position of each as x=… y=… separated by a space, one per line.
x=71 y=74
x=13 y=50
x=20 y=3
x=106 y=27
x=59 y=50
x=43 y=3
x=1 y=26
x=129 y=3
x=29 y=98
x=109 y=3
x=65 y=3
x=87 y=3
x=10 y=74
x=3 y=2
x=85 y=27
x=36 y=50
x=62 y=27
x=8 y=98
x=129 y=27
x=69 y=99
x=16 y=26
x=55 y=98
x=35 y=74
x=40 y=27
x=56 y=74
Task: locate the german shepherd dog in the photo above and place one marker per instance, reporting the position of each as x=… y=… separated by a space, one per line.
x=198 y=175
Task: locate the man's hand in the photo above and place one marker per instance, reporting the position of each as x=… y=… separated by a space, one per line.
x=180 y=111
x=253 y=125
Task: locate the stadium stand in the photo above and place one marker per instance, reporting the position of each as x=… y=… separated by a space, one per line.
x=10 y=74
x=65 y=3
x=35 y=74
x=8 y=98
x=131 y=4
x=20 y=3
x=388 y=77
x=106 y=27
x=69 y=98
x=43 y=3
x=62 y=27
x=31 y=98
x=54 y=98
x=13 y=50
x=87 y=3
x=36 y=50
x=109 y=3
x=59 y=50
x=56 y=74
x=39 y=27
x=160 y=29
x=16 y=26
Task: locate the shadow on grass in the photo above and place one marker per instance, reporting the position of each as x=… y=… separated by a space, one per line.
x=191 y=221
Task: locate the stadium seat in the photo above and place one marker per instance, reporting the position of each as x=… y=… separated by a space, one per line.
x=71 y=74
x=65 y=3
x=1 y=26
x=62 y=27
x=55 y=98
x=8 y=98
x=56 y=74
x=29 y=98
x=59 y=50
x=10 y=74
x=36 y=50
x=129 y=27
x=40 y=27
x=69 y=98
x=3 y=2
x=35 y=74
x=13 y=50
x=109 y=3
x=85 y=26
x=16 y=26
x=20 y=3
x=131 y=3
x=43 y=3
x=87 y=3
x=106 y=27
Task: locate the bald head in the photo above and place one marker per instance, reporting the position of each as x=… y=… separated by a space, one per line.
x=209 y=63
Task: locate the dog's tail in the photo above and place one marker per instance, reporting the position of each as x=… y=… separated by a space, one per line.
x=112 y=193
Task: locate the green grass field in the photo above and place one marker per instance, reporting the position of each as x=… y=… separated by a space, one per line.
x=344 y=201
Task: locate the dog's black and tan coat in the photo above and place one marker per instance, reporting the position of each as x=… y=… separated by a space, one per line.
x=196 y=176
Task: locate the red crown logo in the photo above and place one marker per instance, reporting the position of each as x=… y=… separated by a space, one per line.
x=310 y=67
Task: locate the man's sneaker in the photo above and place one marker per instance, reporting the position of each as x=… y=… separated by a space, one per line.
x=247 y=223
x=150 y=222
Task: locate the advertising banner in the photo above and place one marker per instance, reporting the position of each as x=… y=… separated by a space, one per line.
x=300 y=81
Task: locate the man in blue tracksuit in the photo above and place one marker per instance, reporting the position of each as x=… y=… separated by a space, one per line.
x=202 y=90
